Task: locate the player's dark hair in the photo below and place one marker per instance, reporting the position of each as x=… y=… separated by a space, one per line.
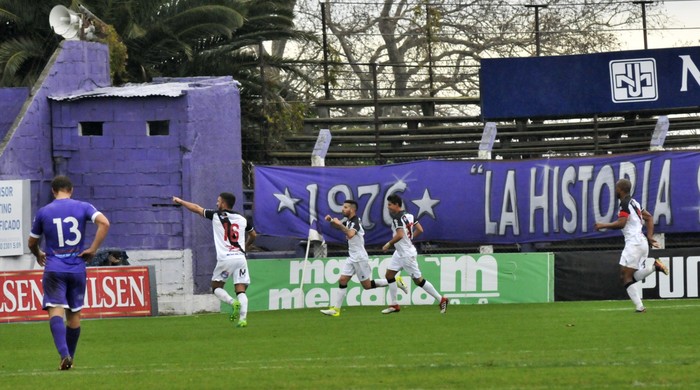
x=228 y=198
x=61 y=182
x=395 y=199
x=351 y=202
x=625 y=185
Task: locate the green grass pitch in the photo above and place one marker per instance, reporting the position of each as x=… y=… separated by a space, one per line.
x=594 y=345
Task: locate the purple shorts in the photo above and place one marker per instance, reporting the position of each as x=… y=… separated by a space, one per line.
x=63 y=289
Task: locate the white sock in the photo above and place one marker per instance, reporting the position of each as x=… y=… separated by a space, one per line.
x=428 y=287
x=223 y=295
x=340 y=297
x=633 y=292
x=640 y=274
x=393 y=290
x=380 y=282
x=243 y=299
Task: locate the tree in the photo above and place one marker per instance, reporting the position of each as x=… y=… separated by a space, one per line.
x=173 y=38
x=414 y=42
x=266 y=113
x=26 y=41
x=159 y=34
x=163 y=36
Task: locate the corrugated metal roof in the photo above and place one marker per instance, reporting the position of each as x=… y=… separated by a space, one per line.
x=170 y=89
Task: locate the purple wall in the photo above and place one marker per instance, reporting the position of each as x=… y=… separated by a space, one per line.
x=125 y=172
x=212 y=164
x=11 y=101
x=26 y=154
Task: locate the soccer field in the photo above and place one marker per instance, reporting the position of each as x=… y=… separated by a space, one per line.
x=591 y=345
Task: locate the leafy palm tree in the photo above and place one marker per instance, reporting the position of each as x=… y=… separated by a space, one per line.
x=157 y=33
x=26 y=40
x=170 y=38
x=163 y=35
x=245 y=56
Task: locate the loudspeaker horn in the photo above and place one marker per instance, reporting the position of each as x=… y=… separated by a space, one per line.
x=65 y=22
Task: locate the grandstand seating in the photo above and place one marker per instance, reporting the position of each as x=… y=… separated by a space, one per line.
x=415 y=128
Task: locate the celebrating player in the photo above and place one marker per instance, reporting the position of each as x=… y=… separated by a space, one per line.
x=630 y=220
x=358 y=259
x=404 y=257
x=232 y=234
x=62 y=223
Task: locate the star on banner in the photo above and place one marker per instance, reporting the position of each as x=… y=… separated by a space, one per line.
x=286 y=201
x=426 y=205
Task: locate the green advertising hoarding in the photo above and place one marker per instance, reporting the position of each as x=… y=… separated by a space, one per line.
x=463 y=278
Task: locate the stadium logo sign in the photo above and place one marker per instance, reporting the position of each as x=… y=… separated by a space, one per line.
x=682 y=281
x=633 y=80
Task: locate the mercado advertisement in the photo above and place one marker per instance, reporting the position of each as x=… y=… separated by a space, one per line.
x=464 y=279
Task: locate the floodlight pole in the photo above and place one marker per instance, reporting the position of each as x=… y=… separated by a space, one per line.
x=644 y=3
x=326 y=77
x=537 y=24
x=429 y=27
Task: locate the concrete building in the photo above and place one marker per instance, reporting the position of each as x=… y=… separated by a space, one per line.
x=128 y=150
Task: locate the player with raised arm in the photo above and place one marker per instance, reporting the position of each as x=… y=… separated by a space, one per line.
x=358 y=259
x=633 y=260
x=404 y=258
x=62 y=223
x=232 y=235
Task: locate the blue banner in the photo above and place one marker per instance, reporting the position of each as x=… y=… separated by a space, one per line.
x=484 y=202
x=589 y=84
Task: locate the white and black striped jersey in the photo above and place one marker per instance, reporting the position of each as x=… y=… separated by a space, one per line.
x=229 y=229
x=630 y=209
x=356 y=245
x=404 y=221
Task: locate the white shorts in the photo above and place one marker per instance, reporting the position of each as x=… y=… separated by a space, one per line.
x=360 y=268
x=408 y=264
x=234 y=266
x=634 y=255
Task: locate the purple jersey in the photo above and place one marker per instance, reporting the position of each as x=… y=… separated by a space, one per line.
x=62 y=223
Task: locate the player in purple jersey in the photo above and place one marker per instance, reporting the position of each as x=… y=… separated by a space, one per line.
x=233 y=233
x=633 y=261
x=62 y=223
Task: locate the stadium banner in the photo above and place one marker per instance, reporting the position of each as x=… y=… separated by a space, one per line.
x=463 y=278
x=111 y=292
x=485 y=202
x=595 y=275
x=587 y=84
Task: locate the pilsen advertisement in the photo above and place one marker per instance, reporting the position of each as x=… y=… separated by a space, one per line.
x=111 y=292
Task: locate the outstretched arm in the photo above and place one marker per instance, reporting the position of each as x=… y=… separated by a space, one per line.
x=193 y=207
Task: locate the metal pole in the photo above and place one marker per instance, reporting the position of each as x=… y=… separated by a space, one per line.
x=596 y=140
x=429 y=25
x=375 y=95
x=263 y=97
x=537 y=25
x=326 y=77
x=644 y=3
